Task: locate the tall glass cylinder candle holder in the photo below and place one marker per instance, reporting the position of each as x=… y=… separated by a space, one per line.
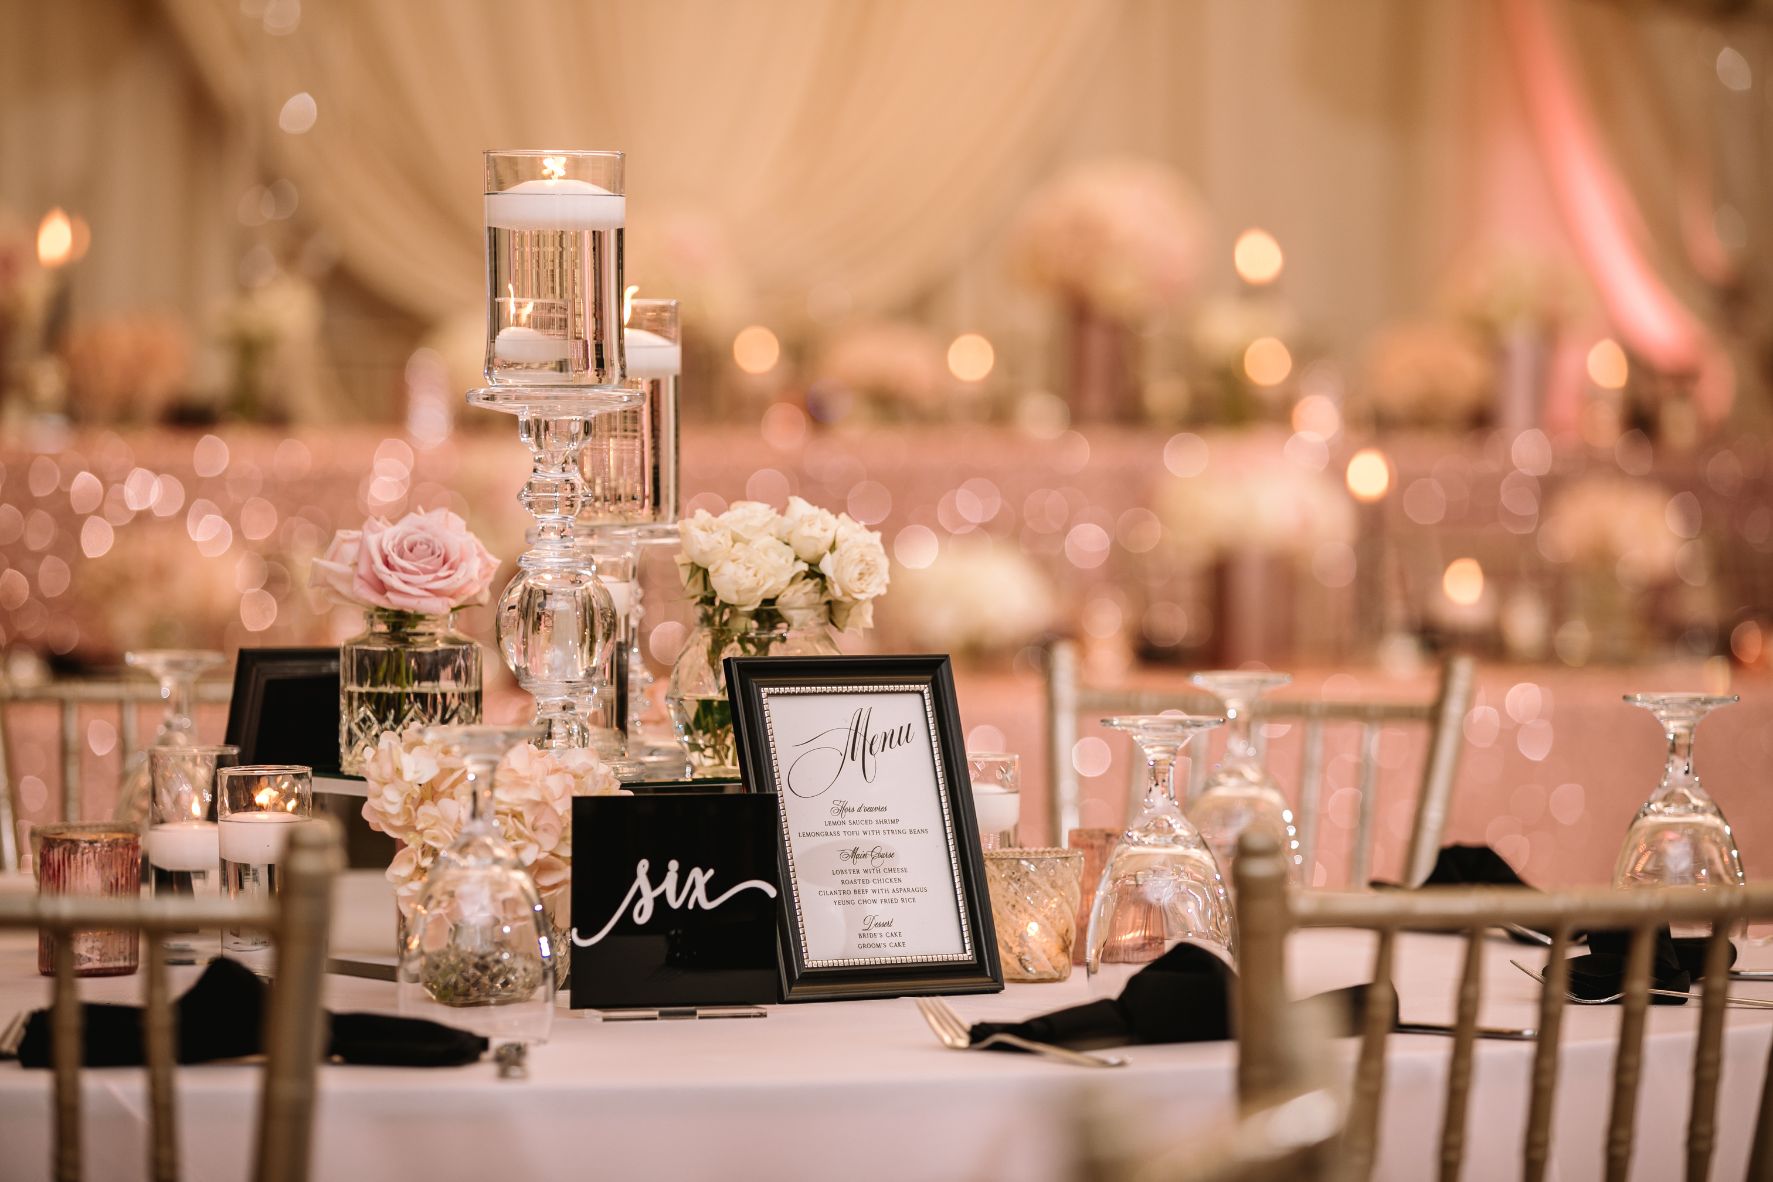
x=997 y=796
x=91 y=858
x=614 y=557
x=256 y=807
x=182 y=842
x=554 y=267
x=629 y=464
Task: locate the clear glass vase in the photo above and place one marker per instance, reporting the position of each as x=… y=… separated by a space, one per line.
x=697 y=693
x=404 y=668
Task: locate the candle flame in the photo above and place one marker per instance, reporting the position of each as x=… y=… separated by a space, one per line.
x=554 y=167
x=523 y=312
x=55 y=238
x=628 y=302
x=265 y=797
x=197 y=808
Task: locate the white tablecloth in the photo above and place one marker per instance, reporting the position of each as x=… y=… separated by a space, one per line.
x=862 y=1089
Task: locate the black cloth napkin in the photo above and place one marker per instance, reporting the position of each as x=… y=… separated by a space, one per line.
x=222 y=1017
x=1182 y=996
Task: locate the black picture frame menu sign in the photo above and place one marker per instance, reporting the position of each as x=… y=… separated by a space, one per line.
x=883 y=883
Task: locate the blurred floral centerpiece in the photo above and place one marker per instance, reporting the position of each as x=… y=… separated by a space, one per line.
x=409 y=666
x=981 y=598
x=1120 y=241
x=1613 y=534
x=765 y=583
x=884 y=370
x=418 y=794
x=1427 y=373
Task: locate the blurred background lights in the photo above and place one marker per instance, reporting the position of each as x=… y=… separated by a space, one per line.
x=55 y=238
x=756 y=350
x=298 y=114
x=1463 y=581
x=1267 y=361
x=1369 y=474
x=1607 y=366
x=1257 y=257
x=970 y=357
x=1315 y=414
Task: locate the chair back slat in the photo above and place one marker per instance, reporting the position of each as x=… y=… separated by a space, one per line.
x=1541 y=1103
x=66 y=1052
x=1446 y=739
x=71 y=806
x=1362 y=1145
x=1708 y=1056
x=161 y=1037
x=1760 y=1158
x=1459 y=1073
x=9 y=806
x=1628 y=1062
x=128 y=730
x=1311 y=787
x=1361 y=857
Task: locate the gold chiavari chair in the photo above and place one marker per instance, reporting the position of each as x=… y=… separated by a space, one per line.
x=1288 y=1134
x=295 y=1030
x=1068 y=699
x=71 y=698
x=1267 y=912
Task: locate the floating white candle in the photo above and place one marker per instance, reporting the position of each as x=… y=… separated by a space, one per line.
x=997 y=808
x=556 y=205
x=527 y=346
x=651 y=355
x=622 y=593
x=183 y=845
x=256 y=838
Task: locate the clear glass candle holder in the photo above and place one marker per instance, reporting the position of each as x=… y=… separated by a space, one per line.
x=182 y=841
x=257 y=805
x=629 y=463
x=554 y=267
x=997 y=796
x=99 y=858
x=1035 y=896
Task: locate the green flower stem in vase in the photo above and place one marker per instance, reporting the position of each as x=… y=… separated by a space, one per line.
x=405 y=668
x=697 y=697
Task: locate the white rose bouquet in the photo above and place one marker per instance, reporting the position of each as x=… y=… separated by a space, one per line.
x=801 y=567
x=418 y=794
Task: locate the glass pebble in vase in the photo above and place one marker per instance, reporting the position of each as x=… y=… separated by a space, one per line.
x=478 y=949
x=697 y=694
x=404 y=668
x=1239 y=795
x=177 y=671
x=1679 y=837
x=1161 y=885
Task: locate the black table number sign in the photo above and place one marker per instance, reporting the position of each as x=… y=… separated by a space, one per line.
x=674 y=901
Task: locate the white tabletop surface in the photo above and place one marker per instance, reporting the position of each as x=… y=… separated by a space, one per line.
x=832 y=1090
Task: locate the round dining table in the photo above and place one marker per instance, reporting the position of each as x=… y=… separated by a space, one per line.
x=864 y=1089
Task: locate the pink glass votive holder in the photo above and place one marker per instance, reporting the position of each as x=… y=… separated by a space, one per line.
x=90 y=858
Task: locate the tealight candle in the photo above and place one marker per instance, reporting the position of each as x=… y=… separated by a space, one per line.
x=256 y=838
x=651 y=355
x=191 y=846
x=556 y=204
x=997 y=808
x=522 y=345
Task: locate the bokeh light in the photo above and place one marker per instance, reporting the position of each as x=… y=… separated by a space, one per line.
x=1257 y=256
x=1267 y=361
x=1369 y=475
x=1463 y=581
x=970 y=357
x=756 y=349
x=1607 y=367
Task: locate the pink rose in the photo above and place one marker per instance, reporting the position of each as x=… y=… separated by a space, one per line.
x=425 y=562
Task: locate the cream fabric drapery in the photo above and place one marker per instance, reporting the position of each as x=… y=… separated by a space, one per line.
x=856 y=144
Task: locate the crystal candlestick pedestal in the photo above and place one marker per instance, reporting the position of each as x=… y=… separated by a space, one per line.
x=177 y=671
x=556 y=619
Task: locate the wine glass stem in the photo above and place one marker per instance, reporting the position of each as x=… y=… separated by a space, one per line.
x=1240 y=744
x=1680 y=754
x=480 y=771
x=1163 y=785
x=175 y=691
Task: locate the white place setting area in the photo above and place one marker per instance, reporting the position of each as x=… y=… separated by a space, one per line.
x=1029 y=590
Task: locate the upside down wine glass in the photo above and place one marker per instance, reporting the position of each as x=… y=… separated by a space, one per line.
x=1161 y=884
x=478 y=952
x=1239 y=795
x=1679 y=837
x=177 y=671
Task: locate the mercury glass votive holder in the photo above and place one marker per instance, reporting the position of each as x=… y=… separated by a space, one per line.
x=1034 y=903
x=94 y=858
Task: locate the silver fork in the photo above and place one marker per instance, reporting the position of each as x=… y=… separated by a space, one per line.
x=953 y=1033
x=1747 y=1003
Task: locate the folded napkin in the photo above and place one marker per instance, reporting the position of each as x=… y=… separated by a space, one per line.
x=222 y=1017
x=1182 y=996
